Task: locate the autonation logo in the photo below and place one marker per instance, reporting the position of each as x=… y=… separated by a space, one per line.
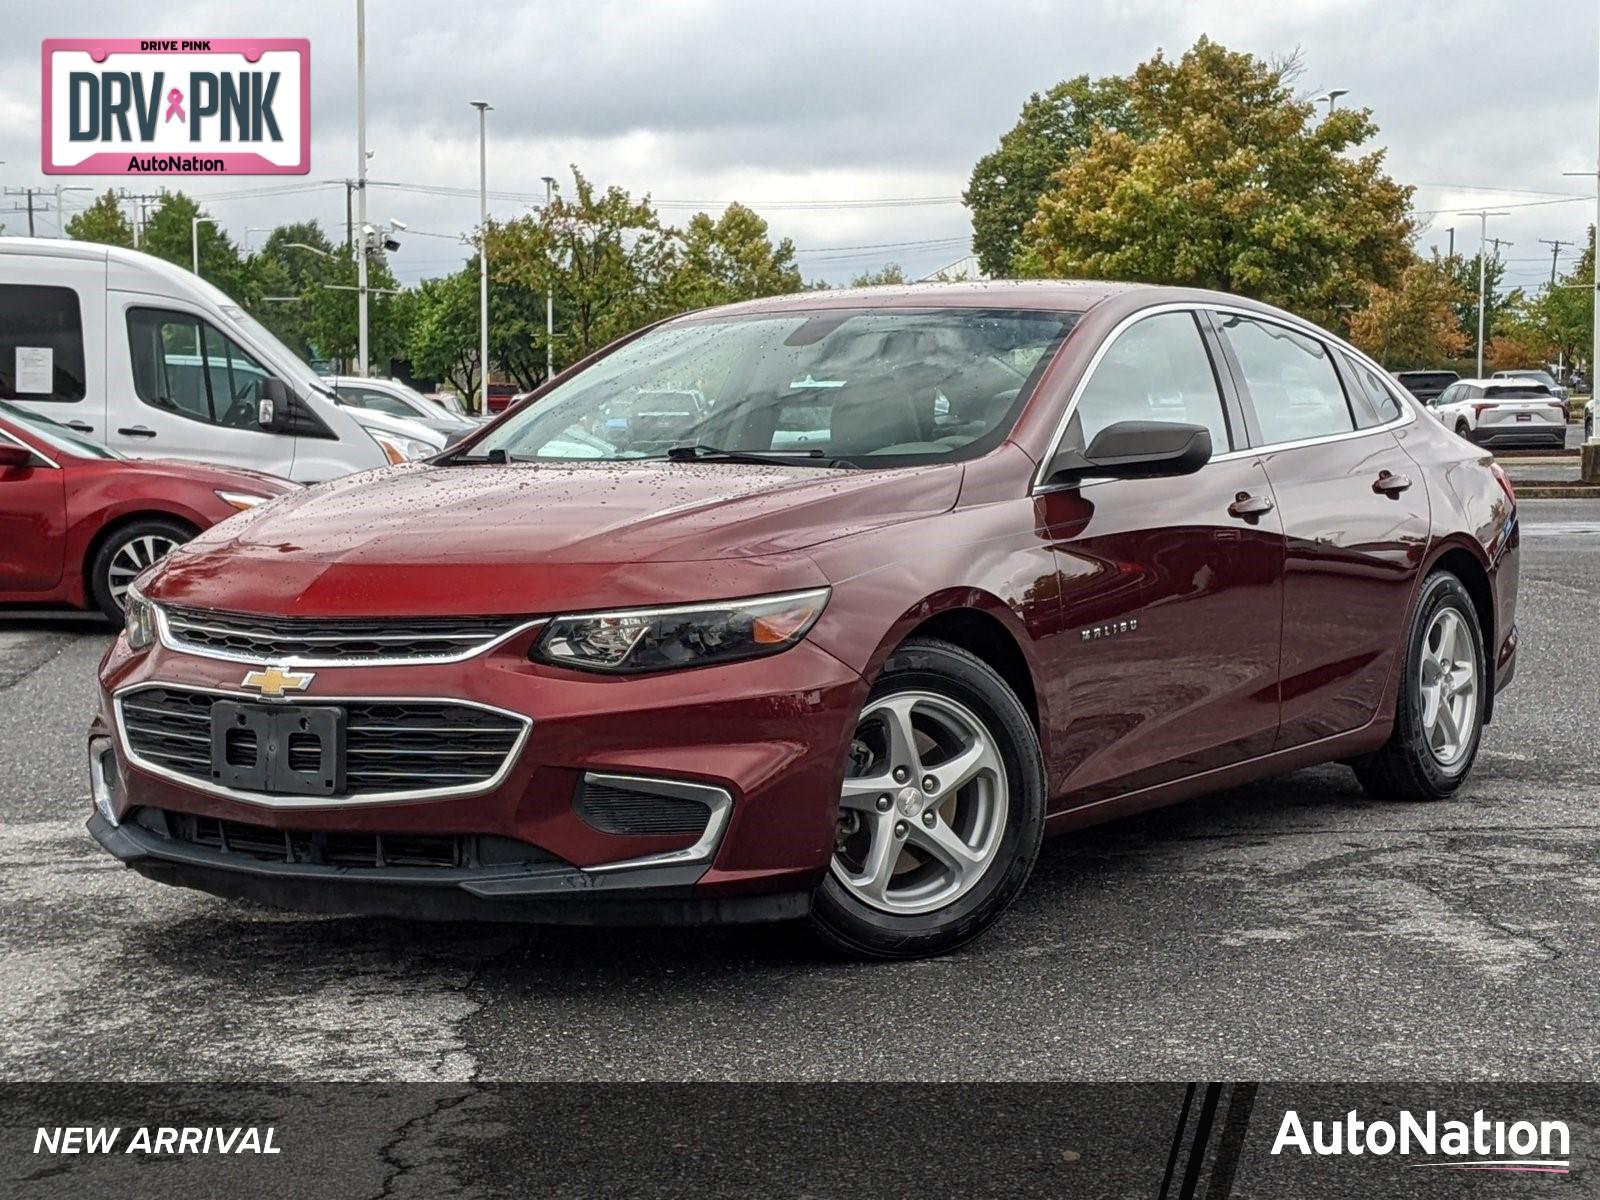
x=1480 y=1144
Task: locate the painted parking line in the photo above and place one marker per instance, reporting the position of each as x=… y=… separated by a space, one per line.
x=1560 y=528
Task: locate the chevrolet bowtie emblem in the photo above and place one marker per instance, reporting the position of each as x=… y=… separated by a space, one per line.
x=275 y=681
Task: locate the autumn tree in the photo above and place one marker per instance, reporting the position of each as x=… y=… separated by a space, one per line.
x=1415 y=322
x=729 y=258
x=1007 y=182
x=1229 y=183
x=104 y=222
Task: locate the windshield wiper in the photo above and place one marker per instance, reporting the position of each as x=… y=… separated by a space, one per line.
x=796 y=458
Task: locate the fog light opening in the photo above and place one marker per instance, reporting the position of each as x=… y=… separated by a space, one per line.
x=103 y=778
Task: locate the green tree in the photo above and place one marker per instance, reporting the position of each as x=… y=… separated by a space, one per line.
x=1415 y=323
x=523 y=267
x=331 y=312
x=1229 y=184
x=443 y=341
x=1464 y=271
x=295 y=260
x=1565 y=313
x=1007 y=182
x=103 y=222
x=889 y=273
x=168 y=235
x=731 y=258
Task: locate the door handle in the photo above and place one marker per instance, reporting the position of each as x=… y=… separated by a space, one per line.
x=1247 y=506
x=79 y=426
x=140 y=431
x=1390 y=484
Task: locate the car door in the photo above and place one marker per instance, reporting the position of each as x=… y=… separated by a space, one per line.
x=194 y=395
x=33 y=516
x=1170 y=588
x=1355 y=519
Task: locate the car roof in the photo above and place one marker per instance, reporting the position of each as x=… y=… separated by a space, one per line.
x=1046 y=295
x=1502 y=380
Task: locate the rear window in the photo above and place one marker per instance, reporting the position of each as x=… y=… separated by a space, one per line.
x=1428 y=378
x=41 y=343
x=1520 y=391
x=1370 y=399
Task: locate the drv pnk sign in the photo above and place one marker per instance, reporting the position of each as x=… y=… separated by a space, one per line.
x=168 y=106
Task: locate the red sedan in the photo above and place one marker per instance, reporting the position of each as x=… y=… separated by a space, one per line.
x=79 y=522
x=921 y=575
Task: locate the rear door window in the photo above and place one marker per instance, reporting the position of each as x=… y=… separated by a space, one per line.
x=1374 y=403
x=41 y=343
x=1291 y=381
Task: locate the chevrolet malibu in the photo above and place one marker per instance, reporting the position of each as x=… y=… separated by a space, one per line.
x=931 y=572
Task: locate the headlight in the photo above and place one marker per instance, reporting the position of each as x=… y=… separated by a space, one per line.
x=241 y=500
x=656 y=639
x=401 y=449
x=138 y=619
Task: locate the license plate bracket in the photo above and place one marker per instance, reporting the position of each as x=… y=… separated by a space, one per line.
x=295 y=750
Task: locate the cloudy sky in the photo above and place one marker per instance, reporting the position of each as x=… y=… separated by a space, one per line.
x=852 y=126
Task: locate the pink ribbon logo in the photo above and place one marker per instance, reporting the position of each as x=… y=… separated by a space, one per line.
x=175 y=105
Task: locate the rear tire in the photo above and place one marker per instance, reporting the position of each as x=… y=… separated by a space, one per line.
x=1444 y=692
x=920 y=870
x=1463 y=430
x=126 y=553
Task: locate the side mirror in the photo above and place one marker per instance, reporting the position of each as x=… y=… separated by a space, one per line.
x=275 y=409
x=14 y=456
x=1136 y=450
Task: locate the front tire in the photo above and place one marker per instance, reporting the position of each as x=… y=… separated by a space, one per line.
x=942 y=810
x=1444 y=692
x=126 y=553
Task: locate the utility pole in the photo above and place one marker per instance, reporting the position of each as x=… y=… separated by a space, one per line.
x=1452 y=232
x=483 y=107
x=1483 y=216
x=1497 y=243
x=549 y=299
x=28 y=193
x=194 y=237
x=1555 y=253
x=361 y=185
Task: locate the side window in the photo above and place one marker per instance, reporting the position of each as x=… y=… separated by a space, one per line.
x=1291 y=381
x=376 y=401
x=184 y=365
x=1373 y=401
x=41 y=343
x=1156 y=370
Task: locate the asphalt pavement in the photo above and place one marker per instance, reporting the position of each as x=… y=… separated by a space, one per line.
x=1286 y=930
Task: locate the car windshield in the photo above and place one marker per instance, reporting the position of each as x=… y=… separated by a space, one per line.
x=56 y=435
x=873 y=387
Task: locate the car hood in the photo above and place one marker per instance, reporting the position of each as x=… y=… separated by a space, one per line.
x=610 y=533
x=211 y=475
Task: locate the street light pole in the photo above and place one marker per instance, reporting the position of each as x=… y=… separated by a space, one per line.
x=194 y=237
x=483 y=107
x=549 y=299
x=1483 y=216
x=361 y=186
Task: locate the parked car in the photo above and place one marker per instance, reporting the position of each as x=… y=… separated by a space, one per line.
x=1503 y=412
x=150 y=360
x=1068 y=552
x=1425 y=385
x=395 y=399
x=79 y=521
x=451 y=403
x=1544 y=377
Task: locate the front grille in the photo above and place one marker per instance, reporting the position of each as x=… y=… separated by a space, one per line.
x=317 y=639
x=356 y=851
x=630 y=811
x=390 y=745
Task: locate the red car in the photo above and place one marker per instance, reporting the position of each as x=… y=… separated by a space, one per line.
x=939 y=570
x=79 y=522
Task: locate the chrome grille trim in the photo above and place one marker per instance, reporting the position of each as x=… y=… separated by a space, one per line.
x=125 y=702
x=271 y=634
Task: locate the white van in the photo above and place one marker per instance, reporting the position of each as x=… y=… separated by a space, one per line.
x=149 y=359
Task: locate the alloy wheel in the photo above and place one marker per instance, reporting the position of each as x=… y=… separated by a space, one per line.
x=1449 y=687
x=923 y=807
x=131 y=559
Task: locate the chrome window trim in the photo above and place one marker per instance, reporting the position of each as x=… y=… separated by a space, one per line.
x=1407 y=415
x=305 y=803
x=718 y=800
x=16 y=441
x=172 y=641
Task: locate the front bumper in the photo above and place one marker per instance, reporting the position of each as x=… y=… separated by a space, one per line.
x=769 y=733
